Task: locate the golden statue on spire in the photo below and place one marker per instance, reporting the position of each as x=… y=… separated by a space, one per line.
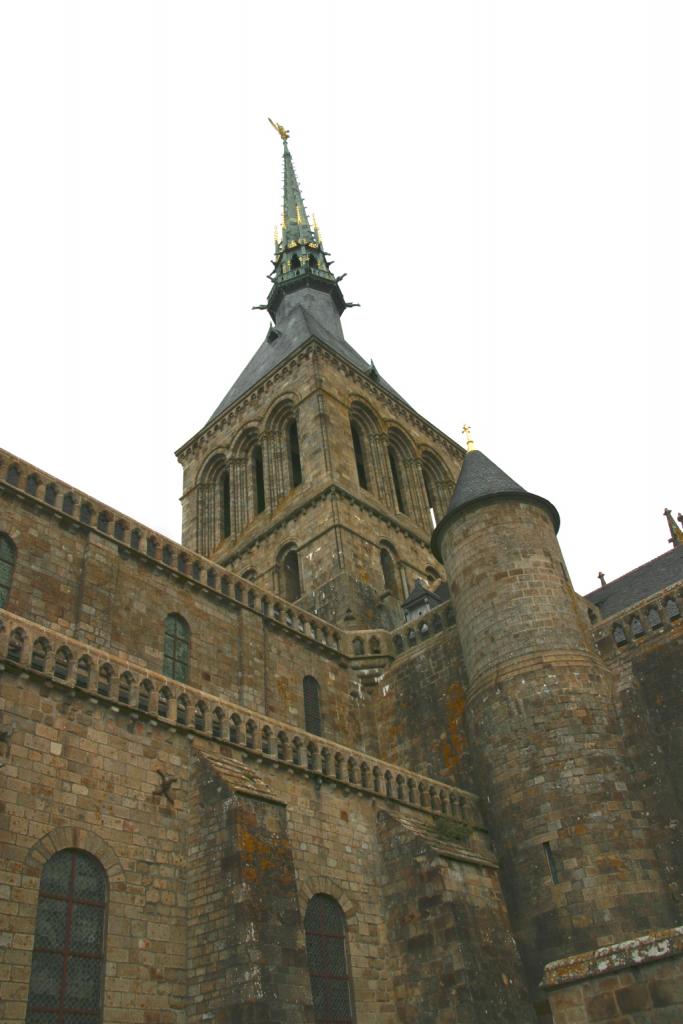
x=282 y=132
x=467 y=431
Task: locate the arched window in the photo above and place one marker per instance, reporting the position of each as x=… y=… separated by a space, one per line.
x=290 y=580
x=176 y=648
x=294 y=453
x=328 y=961
x=312 y=717
x=259 y=481
x=359 y=456
x=429 y=488
x=396 y=477
x=389 y=572
x=67 y=969
x=8 y=555
x=226 y=523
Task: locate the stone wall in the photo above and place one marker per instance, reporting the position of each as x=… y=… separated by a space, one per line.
x=636 y=982
x=419 y=708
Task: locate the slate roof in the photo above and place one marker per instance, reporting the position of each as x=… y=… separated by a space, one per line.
x=289 y=334
x=237 y=776
x=640 y=583
x=482 y=479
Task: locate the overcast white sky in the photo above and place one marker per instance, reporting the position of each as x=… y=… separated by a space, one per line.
x=501 y=181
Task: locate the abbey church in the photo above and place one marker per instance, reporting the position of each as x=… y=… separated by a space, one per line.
x=355 y=752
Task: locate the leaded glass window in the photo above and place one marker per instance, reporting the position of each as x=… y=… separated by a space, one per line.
x=328 y=961
x=67 y=969
x=7 y=559
x=176 y=648
x=312 y=717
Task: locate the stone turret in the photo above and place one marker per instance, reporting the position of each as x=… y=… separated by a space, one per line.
x=577 y=865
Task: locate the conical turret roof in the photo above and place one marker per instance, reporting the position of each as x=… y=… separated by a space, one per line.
x=482 y=481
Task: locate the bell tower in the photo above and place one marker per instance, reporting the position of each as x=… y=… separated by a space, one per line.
x=314 y=476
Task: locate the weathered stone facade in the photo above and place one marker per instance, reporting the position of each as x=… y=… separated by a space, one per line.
x=236 y=727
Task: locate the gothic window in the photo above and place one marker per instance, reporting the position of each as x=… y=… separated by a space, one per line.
x=8 y=555
x=67 y=969
x=396 y=478
x=294 y=453
x=226 y=523
x=259 y=480
x=312 y=717
x=328 y=962
x=360 y=457
x=176 y=648
x=430 y=489
x=290 y=580
x=389 y=572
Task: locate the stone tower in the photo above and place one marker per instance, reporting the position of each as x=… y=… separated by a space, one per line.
x=577 y=865
x=313 y=476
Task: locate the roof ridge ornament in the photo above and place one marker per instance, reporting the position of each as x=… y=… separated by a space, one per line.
x=467 y=431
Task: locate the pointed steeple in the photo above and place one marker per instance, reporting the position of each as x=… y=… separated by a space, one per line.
x=300 y=260
x=296 y=228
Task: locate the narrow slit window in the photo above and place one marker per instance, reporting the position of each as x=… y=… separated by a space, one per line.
x=552 y=863
x=429 y=488
x=359 y=456
x=294 y=453
x=259 y=480
x=312 y=716
x=396 y=478
x=225 y=504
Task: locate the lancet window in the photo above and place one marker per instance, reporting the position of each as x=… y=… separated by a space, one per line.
x=328 y=961
x=359 y=455
x=396 y=479
x=312 y=715
x=258 y=478
x=67 y=967
x=294 y=453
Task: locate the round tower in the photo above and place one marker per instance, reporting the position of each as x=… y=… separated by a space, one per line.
x=577 y=867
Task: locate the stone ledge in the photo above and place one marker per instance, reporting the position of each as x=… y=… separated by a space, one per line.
x=655 y=945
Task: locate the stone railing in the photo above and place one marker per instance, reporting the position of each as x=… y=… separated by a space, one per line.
x=127 y=686
x=423 y=628
x=27 y=481
x=640 y=622
x=378 y=643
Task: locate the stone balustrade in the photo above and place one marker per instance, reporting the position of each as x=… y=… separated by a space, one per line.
x=639 y=622
x=139 y=541
x=378 y=643
x=127 y=686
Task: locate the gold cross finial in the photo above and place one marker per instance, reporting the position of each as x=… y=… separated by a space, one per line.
x=467 y=431
x=282 y=132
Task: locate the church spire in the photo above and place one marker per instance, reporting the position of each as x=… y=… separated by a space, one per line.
x=299 y=261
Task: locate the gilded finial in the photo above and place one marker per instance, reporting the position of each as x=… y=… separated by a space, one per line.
x=282 y=132
x=467 y=431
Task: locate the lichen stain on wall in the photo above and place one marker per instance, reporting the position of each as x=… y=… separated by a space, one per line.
x=453 y=740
